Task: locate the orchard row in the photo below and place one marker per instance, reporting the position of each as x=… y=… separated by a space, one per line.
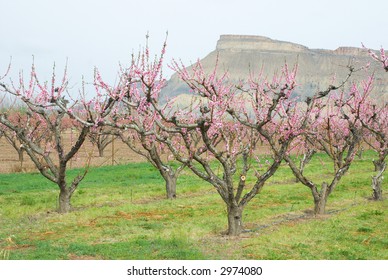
x=222 y=126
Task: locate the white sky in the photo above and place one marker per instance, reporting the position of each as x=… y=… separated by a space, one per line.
x=103 y=33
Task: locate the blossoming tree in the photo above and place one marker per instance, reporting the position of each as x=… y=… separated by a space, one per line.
x=334 y=130
x=215 y=139
x=135 y=120
x=374 y=117
x=46 y=104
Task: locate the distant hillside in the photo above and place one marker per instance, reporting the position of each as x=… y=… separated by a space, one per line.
x=238 y=54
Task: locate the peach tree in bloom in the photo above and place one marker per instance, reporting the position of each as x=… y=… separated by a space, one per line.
x=215 y=139
x=19 y=116
x=48 y=106
x=101 y=137
x=135 y=119
x=374 y=118
x=333 y=127
x=376 y=123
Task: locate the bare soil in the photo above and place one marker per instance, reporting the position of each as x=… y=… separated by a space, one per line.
x=115 y=153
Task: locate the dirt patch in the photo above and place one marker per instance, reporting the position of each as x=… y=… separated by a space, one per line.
x=118 y=153
x=18 y=247
x=156 y=216
x=83 y=257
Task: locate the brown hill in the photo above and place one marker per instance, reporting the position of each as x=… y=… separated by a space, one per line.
x=240 y=54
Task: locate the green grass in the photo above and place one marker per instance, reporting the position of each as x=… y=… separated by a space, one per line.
x=120 y=212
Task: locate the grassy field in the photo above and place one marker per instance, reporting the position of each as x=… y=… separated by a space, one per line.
x=120 y=212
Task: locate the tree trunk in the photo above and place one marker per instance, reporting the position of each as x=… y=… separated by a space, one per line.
x=21 y=158
x=20 y=154
x=321 y=200
x=235 y=225
x=360 y=152
x=170 y=186
x=379 y=165
x=320 y=206
x=377 y=180
x=100 y=151
x=376 y=186
x=64 y=200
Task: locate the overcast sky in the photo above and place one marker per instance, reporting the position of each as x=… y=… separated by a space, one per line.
x=103 y=33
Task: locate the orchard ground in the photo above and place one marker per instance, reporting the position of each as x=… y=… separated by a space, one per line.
x=118 y=153
x=120 y=212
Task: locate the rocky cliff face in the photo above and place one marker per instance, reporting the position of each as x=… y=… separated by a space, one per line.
x=240 y=55
x=239 y=43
